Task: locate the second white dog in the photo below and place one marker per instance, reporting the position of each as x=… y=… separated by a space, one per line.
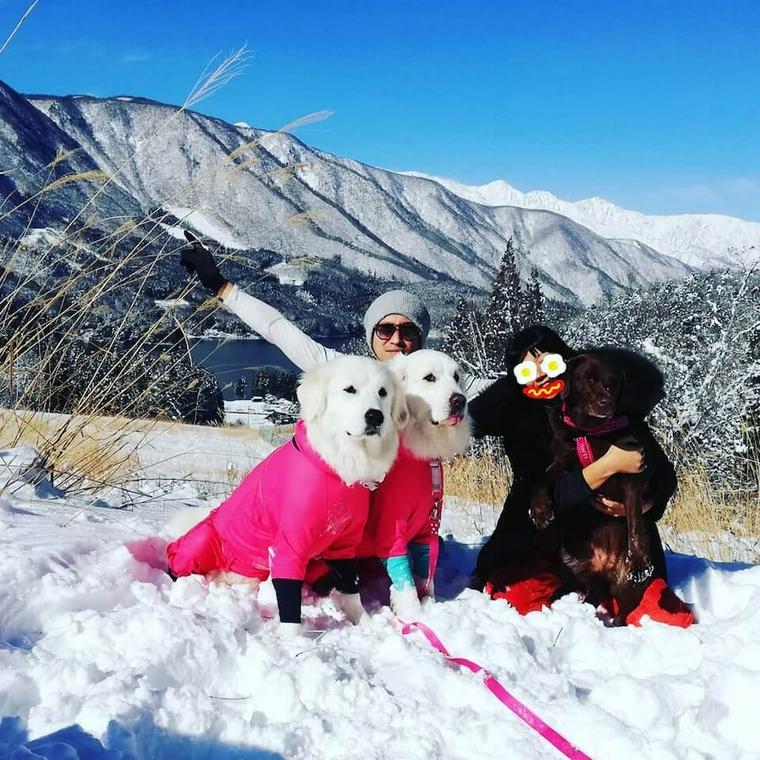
x=405 y=510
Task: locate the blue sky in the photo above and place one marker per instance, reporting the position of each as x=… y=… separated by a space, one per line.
x=653 y=105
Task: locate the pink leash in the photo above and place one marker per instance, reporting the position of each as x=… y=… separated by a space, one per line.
x=489 y=680
x=495 y=687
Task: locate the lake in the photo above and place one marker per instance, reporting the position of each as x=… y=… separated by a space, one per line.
x=228 y=359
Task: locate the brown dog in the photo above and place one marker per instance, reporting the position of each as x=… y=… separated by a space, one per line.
x=606 y=396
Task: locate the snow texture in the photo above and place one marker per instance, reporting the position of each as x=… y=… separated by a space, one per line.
x=103 y=656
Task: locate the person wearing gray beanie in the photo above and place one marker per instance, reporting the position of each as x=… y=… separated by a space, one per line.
x=396 y=322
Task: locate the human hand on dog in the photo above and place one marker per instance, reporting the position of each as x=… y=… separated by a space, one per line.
x=198 y=260
x=615 y=508
x=629 y=461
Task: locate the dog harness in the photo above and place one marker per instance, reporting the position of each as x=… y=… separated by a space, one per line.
x=436 y=479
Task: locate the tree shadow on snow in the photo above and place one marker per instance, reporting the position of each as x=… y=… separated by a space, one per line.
x=141 y=741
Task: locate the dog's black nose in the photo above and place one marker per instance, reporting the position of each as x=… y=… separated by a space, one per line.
x=456 y=403
x=374 y=417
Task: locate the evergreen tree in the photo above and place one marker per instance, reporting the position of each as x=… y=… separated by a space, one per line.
x=505 y=311
x=456 y=334
x=534 y=301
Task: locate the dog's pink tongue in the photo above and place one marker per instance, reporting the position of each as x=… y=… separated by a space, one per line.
x=455 y=419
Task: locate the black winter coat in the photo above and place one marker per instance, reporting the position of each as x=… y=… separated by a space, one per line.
x=523 y=425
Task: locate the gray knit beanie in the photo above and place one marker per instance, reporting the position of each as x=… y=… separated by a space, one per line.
x=397 y=302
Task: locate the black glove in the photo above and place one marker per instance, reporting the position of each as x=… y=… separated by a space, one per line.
x=198 y=260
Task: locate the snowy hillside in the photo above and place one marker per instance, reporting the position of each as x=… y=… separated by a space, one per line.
x=268 y=190
x=94 y=634
x=699 y=240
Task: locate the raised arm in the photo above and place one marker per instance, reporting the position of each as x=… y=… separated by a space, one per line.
x=305 y=352
x=302 y=350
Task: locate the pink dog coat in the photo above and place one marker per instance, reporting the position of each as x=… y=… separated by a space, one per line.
x=400 y=510
x=291 y=508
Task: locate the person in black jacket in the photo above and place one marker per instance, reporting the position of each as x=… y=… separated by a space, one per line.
x=520 y=416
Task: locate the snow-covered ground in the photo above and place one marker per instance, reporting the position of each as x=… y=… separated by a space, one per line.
x=258 y=411
x=94 y=634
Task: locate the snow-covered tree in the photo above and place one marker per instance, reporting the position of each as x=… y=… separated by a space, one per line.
x=505 y=311
x=534 y=300
x=479 y=340
x=702 y=332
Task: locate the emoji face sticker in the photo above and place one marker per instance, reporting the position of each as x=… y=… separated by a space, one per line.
x=550 y=390
x=525 y=372
x=552 y=365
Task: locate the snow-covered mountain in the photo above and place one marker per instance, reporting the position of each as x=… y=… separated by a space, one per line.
x=269 y=190
x=700 y=240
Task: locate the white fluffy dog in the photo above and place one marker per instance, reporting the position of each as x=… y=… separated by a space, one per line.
x=353 y=408
x=404 y=518
x=310 y=497
x=438 y=426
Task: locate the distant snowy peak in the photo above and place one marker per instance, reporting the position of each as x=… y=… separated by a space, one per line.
x=701 y=240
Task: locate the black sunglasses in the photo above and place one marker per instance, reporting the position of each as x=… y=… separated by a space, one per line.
x=407 y=331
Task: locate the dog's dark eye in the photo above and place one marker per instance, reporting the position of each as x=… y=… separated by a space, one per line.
x=382 y=393
x=350 y=389
x=429 y=378
x=456 y=377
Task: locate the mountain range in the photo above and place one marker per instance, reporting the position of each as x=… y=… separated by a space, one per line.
x=700 y=240
x=123 y=158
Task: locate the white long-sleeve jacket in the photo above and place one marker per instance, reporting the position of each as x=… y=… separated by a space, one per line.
x=303 y=351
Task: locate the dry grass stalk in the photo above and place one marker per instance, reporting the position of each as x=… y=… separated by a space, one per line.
x=91 y=176
x=77 y=451
x=483 y=478
x=699 y=519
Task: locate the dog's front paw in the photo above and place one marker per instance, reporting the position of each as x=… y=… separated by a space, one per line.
x=640 y=567
x=405 y=604
x=542 y=518
x=351 y=606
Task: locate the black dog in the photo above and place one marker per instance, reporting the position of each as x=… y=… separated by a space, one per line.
x=607 y=394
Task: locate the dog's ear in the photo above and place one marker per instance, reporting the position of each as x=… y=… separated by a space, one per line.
x=399 y=408
x=570 y=363
x=643 y=385
x=312 y=394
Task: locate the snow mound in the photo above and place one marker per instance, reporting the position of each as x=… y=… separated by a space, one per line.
x=94 y=634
